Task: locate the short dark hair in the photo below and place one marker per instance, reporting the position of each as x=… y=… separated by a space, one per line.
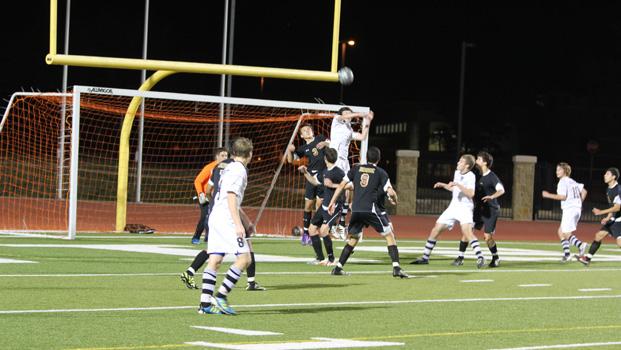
x=331 y=155
x=343 y=109
x=305 y=125
x=220 y=150
x=614 y=171
x=242 y=147
x=374 y=155
x=487 y=158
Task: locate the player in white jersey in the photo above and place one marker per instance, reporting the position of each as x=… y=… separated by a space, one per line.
x=227 y=234
x=460 y=210
x=341 y=134
x=571 y=194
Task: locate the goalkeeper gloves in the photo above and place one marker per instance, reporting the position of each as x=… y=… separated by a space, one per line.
x=202 y=199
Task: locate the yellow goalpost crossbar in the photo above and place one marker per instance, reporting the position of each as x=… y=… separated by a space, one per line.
x=53 y=58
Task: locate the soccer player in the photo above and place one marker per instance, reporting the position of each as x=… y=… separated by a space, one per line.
x=368 y=181
x=322 y=221
x=612 y=221
x=200 y=184
x=571 y=194
x=341 y=134
x=228 y=234
x=460 y=210
x=187 y=277
x=313 y=150
x=486 y=208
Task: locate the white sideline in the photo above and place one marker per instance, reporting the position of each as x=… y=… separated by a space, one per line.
x=563 y=346
x=344 y=303
x=236 y=331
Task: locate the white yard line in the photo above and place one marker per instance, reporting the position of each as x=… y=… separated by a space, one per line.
x=563 y=346
x=595 y=289
x=534 y=285
x=344 y=303
x=236 y=331
x=476 y=281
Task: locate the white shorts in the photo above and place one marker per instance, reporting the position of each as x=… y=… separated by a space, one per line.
x=343 y=164
x=569 y=221
x=455 y=213
x=222 y=238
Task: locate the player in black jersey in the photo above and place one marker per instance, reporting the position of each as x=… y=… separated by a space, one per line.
x=486 y=208
x=313 y=150
x=322 y=221
x=187 y=277
x=368 y=181
x=612 y=221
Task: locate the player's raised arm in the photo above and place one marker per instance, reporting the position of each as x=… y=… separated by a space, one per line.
x=366 y=124
x=289 y=153
x=312 y=179
x=345 y=183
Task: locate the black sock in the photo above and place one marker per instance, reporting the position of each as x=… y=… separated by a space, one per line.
x=307 y=220
x=347 y=250
x=327 y=241
x=317 y=247
x=251 y=270
x=594 y=247
x=199 y=260
x=494 y=250
x=462 y=248
x=393 y=251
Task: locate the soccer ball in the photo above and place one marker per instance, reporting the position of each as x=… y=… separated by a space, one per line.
x=296 y=231
x=346 y=76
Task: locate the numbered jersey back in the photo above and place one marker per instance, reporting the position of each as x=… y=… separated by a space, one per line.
x=571 y=190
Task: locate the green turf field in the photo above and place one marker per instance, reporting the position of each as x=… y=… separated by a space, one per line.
x=123 y=292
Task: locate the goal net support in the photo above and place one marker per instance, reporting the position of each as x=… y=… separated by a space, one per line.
x=59 y=173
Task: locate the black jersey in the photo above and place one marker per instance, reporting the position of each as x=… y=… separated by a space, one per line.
x=614 y=197
x=486 y=186
x=336 y=175
x=369 y=184
x=315 y=155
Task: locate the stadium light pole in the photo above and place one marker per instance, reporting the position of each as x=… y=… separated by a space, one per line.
x=344 y=44
x=462 y=78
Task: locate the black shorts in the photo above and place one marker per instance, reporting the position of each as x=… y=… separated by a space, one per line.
x=485 y=218
x=312 y=192
x=613 y=228
x=360 y=220
x=322 y=217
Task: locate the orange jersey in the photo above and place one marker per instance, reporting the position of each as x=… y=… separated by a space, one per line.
x=201 y=180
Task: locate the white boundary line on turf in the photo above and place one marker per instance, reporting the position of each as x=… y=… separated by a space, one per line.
x=563 y=346
x=594 y=290
x=236 y=331
x=325 y=272
x=534 y=285
x=344 y=303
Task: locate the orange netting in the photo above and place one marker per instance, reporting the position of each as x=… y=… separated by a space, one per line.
x=179 y=139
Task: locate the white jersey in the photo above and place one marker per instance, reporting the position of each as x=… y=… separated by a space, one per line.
x=340 y=136
x=569 y=188
x=233 y=178
x=468 y=180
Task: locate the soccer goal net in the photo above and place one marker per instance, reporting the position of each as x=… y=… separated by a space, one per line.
x=60 y=168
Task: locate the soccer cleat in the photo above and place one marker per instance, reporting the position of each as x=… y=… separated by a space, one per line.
x=305 y=240
x=583 y=248
x=331 y=263
x=480 y=262
x=209 y=310
x=223 y=305
x=398 y=272
x=254 y=286
x=566 y=258
x=196 y=240
x=315 y=262
x=337 y=271
x=583 y=260
x=188 y=280
x=495 y=262
x=420 y=261
x=458 y=261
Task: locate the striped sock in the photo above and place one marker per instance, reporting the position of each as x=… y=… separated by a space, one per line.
x=565 y=245
x=232 y=276
x=428 y=248
x=209 y=284
x=474 y=244
x=575 y=241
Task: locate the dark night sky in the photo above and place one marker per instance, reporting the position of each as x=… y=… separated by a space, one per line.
x=547 y=73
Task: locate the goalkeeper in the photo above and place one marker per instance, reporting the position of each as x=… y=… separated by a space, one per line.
x=200 y=184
